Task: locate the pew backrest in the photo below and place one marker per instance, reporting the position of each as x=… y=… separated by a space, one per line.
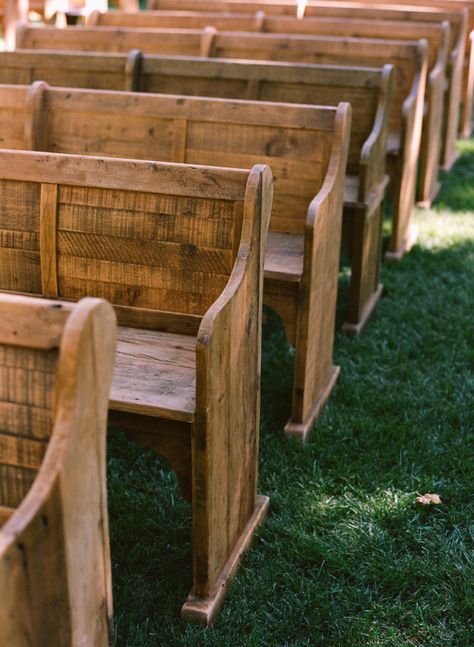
x=296 y=141
x=148 y=237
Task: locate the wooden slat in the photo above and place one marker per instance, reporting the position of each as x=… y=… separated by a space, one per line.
x=48 y=225
x=21 y=452
x=5 y=514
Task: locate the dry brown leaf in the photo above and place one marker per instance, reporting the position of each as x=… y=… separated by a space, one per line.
x=429 y=499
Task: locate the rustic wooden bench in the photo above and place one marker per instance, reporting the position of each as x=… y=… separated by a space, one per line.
x=307 y=150
x=344 y=10
x=468 y=72
x=56 y=363
x=436 y=35
x=368 y=90
x=410 y=68
x=178 y=250
x=454 y=70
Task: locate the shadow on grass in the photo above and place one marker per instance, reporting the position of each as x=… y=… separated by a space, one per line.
x=457 y=193
x=346 y=557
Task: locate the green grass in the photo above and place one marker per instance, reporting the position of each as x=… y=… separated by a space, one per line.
x=346 y=557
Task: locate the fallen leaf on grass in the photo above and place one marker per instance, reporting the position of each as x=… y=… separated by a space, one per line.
x=429 y=499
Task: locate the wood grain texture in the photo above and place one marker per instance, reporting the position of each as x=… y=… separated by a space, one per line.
x=436 y=7
x=409 y=60
x=460 y=16
x=367 y=89
x=206 y=296
x=298 y=141
x=55 y=583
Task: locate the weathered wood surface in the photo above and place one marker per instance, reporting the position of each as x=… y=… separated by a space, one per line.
x=302 y=144
x=436 y=35
x=177 y=249
x=56 y=363
x=454 y=70
x=410 y=70
x=344 y=10
x=468 y=71
x=368 y=90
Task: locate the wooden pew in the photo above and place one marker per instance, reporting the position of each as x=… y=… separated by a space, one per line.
x=458 y=24
x=56 y=363
x=468 y=71
x=344 y=10
x=368 y=91
x=436 y=35
x=410 y=67
x=307 y=149
x=177 y=249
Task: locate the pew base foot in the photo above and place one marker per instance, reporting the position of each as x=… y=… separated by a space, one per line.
x=448 y=164
x=354 y=329
x=301 y=430
x=405 y=247
x=203 y=610
x=426 y=204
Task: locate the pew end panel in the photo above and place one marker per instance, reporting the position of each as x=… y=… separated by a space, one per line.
x=364 y=218
x=315 y=375
x=55 y=580
x=230 y=329
x=402 y=165
x=430 y=144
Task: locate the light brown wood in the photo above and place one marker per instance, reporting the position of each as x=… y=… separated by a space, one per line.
x=48 y=208
x=55 y=580
x=457 y=17
x=410 y=70
x=299 y=142
x=177 y=246
x=436 y=35
x=434 y=6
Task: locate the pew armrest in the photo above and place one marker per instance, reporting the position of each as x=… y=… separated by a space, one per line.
x=372 y=158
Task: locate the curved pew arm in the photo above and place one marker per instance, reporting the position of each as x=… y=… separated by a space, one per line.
x=373 y=149
x=439 y=69
x=411 y=105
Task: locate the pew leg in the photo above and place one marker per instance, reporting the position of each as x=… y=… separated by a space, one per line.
x=365 y=251
x=430 y=146
x=449 y=154
x=320 y=379
x=204 y=608
x=404 y=231
x=169 y=438
x=302 y=430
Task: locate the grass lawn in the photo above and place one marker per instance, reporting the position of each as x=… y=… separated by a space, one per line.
x=346 y=557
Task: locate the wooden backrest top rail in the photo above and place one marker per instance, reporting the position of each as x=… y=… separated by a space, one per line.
x=189 y=41
x=288 y=8
x=146 y=236
x=436 y=34
x=457 y=16
x=27 y=66
x=296 y=141
x=56 y=364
